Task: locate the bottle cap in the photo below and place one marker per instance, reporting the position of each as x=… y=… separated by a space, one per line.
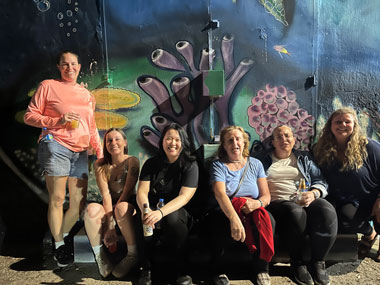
x=161 y=200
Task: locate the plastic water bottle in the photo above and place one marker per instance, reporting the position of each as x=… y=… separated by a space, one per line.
x=160 y=204
x=48 y=136
x=148 y=230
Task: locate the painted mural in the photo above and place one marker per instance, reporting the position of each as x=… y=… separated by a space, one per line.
x=284 y=62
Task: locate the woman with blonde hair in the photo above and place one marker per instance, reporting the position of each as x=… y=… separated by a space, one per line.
x=350 y=163
x=240 y=187
x=116 y=175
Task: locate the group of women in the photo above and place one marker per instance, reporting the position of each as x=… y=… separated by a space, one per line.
x=255 y=196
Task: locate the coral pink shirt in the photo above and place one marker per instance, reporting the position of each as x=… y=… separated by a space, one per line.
x=52 y=100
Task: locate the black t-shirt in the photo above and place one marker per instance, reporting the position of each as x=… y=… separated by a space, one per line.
x=166 y=179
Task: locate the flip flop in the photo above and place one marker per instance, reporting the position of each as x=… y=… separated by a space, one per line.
x=377 y=258
x=366 y=244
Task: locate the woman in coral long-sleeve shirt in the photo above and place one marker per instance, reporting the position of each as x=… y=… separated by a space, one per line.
x=65 y=111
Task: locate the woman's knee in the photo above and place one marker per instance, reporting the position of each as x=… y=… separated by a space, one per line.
x=122 y=209
x=322 y=210
x=93 y=211
x=56 y=199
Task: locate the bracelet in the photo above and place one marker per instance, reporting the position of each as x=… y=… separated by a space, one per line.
x=261 y=202
x=161 y=212
x=316 y=193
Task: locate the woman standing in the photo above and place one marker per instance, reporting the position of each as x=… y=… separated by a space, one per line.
x=351 y=164
x=65 y=111
x=116 y=176
x=171 y=175
x=241 y=178
x=303 y=214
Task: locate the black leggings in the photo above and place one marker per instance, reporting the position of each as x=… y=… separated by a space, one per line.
x=217 y=228
x=355 y=218
x=294 y=222
x=175 y=228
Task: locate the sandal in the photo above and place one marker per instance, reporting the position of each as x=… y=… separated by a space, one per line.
x=365 y=245
x=377 y=257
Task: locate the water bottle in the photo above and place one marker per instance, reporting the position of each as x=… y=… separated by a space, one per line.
x=148 y=230
x=160 y=204
x=48 y=136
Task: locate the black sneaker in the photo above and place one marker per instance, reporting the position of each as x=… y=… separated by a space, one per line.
x=221 y=279
x=301 y=275
x=69 y=243
x=62 y=256
x=318 y=270
x=184 y=280
x=145 y=277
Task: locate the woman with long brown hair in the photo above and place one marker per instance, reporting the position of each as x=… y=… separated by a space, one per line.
x=350 y=163
x=116 y=176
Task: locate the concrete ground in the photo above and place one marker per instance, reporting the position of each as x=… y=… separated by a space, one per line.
x=32 y=264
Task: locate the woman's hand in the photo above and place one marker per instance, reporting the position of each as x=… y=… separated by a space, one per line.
x=152 y=218
x=68 y=117
x=250 y=205
x=110 y=238
x=306 y=199
x=376 y=210
x=237 y=229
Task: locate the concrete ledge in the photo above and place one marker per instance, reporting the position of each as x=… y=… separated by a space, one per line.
x=344 y=249
x=82 y=248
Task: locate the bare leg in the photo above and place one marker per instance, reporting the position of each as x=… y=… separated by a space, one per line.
x=77 y=197
x=94 y=217
x=123 y=214
x=56 y=186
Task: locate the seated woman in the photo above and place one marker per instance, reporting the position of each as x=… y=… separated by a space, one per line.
x=351 y=162
x=171 y=175
x=241 y=178
x=309 y=216
x=116 y=176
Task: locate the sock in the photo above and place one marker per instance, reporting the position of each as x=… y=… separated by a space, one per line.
x=132 y=249
x=59 y=243
x=96 y=249
x=65 y=235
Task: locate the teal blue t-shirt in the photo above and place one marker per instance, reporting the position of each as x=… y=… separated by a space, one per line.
x=248 y=188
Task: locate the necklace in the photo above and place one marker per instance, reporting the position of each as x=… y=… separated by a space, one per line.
x=235 y=161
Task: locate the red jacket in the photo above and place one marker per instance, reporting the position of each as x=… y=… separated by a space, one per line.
x=263 y=224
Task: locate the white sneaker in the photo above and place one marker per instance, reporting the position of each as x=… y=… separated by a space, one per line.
x=124 y=266
x=105 y=266
x=263 y=278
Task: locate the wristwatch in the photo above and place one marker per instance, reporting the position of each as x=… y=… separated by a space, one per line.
x=316 y=194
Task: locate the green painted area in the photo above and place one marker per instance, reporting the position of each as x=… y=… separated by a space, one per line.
x=213 y=83
x=239 y=108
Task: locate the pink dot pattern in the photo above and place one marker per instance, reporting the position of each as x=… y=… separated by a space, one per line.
x=277 y=106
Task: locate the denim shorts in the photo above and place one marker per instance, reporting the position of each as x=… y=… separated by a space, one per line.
x=57 y=160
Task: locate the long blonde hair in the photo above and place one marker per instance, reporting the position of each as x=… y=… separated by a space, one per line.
x=222 y=154
x=326 y=149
